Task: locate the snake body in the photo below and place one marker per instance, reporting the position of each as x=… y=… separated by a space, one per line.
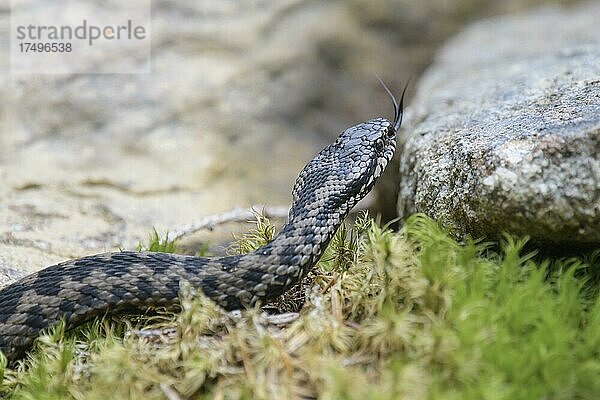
x=127 y=282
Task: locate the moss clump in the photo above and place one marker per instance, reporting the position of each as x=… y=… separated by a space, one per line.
x=397 y=315
x=158 y=244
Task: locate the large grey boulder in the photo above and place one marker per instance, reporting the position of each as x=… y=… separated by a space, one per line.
x=504 y=132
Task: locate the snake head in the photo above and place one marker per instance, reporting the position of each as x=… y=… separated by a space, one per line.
x=363 y=151
x=342 y=173
x=369 y=146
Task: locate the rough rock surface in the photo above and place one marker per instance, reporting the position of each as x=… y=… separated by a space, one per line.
x=240 y=95
x=504 y=132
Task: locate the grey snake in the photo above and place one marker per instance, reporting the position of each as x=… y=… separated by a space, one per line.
x=127 y=282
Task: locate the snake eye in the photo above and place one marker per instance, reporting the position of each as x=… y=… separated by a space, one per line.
x=391 y=132
x=379 y=144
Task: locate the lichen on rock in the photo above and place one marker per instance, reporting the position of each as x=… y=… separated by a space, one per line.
x=504 y=133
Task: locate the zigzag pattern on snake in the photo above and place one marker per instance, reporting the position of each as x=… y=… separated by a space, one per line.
x=324 y=193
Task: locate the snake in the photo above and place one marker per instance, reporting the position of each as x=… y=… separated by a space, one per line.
x=124 y=282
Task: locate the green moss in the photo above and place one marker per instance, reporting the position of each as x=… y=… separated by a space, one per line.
x=156 y=243
x=262 y=234
x=399 y=315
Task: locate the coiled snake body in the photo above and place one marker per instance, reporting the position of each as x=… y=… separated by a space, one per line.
x=78 y=290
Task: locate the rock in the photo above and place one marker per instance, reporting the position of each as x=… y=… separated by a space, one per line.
x=504 y=132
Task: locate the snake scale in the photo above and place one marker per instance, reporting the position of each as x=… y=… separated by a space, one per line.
x=127 y=282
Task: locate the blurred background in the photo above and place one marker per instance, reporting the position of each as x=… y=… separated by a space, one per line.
x=240 y=96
